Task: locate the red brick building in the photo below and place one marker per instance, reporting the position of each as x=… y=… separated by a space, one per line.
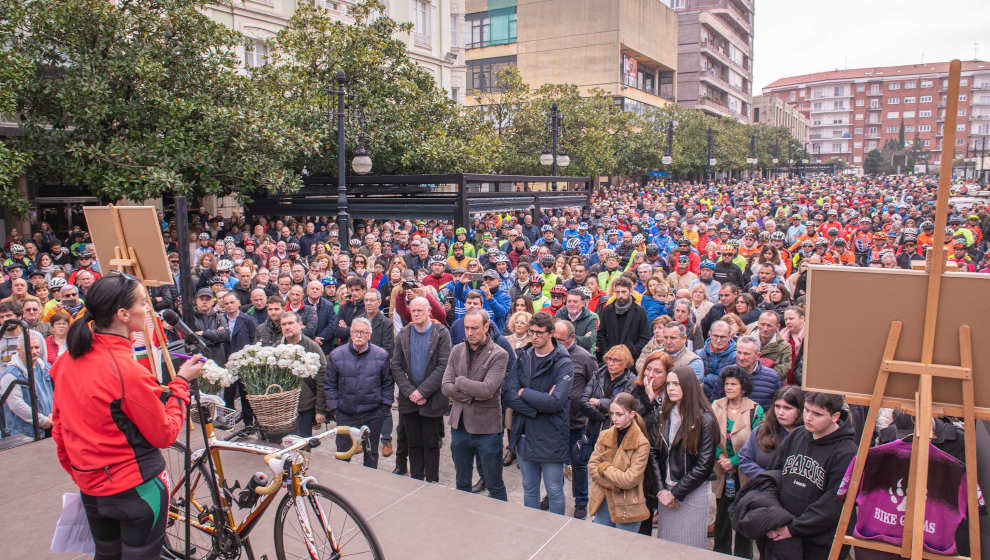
x=855 y=111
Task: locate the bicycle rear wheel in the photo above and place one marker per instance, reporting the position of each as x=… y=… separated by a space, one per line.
x=345 y=534
x=202 y=498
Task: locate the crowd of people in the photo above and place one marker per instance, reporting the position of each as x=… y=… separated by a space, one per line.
x=649 y=347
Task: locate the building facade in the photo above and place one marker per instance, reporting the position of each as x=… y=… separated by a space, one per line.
x=628 y=48
x=715 y=56
x=855 y=111
x=772 y=111
x=435 y=42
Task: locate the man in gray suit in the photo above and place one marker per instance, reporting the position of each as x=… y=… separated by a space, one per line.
x=473 y=382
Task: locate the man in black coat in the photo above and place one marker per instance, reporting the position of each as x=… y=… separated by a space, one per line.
x=584 y=368
x=623 y=322
x=324 y=311
x=207 y=325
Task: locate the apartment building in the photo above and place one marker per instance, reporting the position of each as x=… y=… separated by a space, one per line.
x=855 y=111
x=715 y=56
x=628 y=48
x=773 y=111
x=435 y=43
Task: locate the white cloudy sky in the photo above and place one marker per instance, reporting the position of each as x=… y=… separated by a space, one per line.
x=803 y=36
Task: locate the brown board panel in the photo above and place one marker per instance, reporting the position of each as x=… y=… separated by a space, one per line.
x=849 y=316
x=141 y=231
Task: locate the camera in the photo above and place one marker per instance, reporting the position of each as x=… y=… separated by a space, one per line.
x=409 y=284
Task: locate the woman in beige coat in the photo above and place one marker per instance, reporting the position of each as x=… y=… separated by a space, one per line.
x=617 y=466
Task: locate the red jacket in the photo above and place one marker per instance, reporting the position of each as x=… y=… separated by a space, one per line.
x=109 y=418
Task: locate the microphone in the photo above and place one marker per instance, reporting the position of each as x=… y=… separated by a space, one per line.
x=192 y=339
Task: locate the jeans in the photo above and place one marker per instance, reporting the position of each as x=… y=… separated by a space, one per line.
x=553 y=480
x=464 y=447
x=387 y=426
x=602 y=517
x=579 y=473
x=374 y=423
x=423 y=437
x=739 y=546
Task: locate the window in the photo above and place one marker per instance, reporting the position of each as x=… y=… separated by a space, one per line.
x=926 y=142
x=893 y=100
x=255 y=53
x=836 y=91
x=891 y=130
x=926 y=83
x=803 y=94
x=838 y=121
x=893 y=115
x=964 y=82
x=872 y=145
x=873 y=131
x=875 y=88
x=857 y=145
x=945 y=83
x=836 y=134
x=857 y=159
x=859 y=116
x=925 y=114
x=840 y=104
x=908 y=114
x=816 y=106
x=909 y=100
x=455 y=35
x=874 y=104
x=962 y=112
x=910 y=85
x=421 y=21
x=494 y=27
x=860 y=102
x=960 y=127
x=925 y=99
x=455 y=94
x=894 y=85
x=962 y=97
x=836 y=148
x=909 y=128
x=960 y=141
x=924 y=128
x=907 y=143
x=858 y=130
x=984 y=99
x=861 y=88
x=483 y=74
x=676 y=4
x=793 y=97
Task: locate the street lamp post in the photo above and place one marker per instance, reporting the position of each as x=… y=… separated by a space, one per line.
x=790 y=161
x=751 y=160
x=668 y=156
x=554 y=156
x=776 y=154
x=361 y=163
x=710 y=161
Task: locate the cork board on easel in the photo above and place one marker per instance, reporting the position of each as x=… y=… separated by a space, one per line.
x=141 y=231
x=849 y=316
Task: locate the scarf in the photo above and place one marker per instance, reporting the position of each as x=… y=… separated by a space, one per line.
x=622 y=308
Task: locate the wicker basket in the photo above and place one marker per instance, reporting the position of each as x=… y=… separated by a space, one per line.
x=276 y=412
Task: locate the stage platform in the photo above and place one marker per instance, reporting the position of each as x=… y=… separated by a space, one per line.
x=413 y=520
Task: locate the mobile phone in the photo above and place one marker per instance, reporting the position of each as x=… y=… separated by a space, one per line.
x=475 y=276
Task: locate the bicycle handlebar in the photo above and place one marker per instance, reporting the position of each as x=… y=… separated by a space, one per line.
x=276 y=461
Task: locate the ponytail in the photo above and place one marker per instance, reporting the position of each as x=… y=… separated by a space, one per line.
x=80 y=337
x=630 y=403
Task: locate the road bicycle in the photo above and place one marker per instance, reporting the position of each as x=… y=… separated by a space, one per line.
x=325 y=526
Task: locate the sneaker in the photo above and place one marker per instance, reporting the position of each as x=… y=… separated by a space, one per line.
x=387 y=449
x=580 y=511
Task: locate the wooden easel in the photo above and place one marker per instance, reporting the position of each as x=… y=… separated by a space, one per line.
x=125 y=260
x=912 y=542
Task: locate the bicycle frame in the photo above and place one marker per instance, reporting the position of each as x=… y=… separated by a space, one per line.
x=291 y=460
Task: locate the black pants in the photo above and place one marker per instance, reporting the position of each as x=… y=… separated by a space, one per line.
x=401 y=448
x=740 y=546
x=231 y=393
x=423 y=436
x=129 y=525
x=374 y=423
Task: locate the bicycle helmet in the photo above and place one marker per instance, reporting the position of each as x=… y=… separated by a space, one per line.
x=652 y=250
x=294 y=247
x=437 y=258
x=558 y=290
x=496 y=257
x=56 y=283
x=573 y=243
x=821 y=242
x=204 y=236
x=545 y=229
x=777 y=236
x=764 y=236
x=927 y=224
x=17 y=248
x=615 y=232
x=833 y=231
x=546 y=261
x=638 y=239
x=229 y=240
x=225 y=265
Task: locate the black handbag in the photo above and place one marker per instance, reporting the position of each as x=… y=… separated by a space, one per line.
x=581 y=450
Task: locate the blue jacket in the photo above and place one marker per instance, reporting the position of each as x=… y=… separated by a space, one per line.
x=498 y=307
x=358 y=384
x=539 y=415
x=714 y=362
x=654 y=308
x=765 y=383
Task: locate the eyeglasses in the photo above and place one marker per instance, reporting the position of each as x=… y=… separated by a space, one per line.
x=537 y=332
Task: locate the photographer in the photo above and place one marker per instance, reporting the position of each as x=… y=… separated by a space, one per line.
x=110 y=418
x=411 y=289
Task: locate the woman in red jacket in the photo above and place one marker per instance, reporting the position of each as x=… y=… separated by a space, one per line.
x=111 y=417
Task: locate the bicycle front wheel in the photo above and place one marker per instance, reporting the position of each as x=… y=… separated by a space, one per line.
x=336 y=528
x=201 y=539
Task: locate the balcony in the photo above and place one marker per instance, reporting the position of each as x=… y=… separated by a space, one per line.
x=873 y=93
x=832 y=110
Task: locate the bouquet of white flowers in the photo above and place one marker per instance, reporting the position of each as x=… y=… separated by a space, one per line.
x=260 y=367
x=264 y=368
